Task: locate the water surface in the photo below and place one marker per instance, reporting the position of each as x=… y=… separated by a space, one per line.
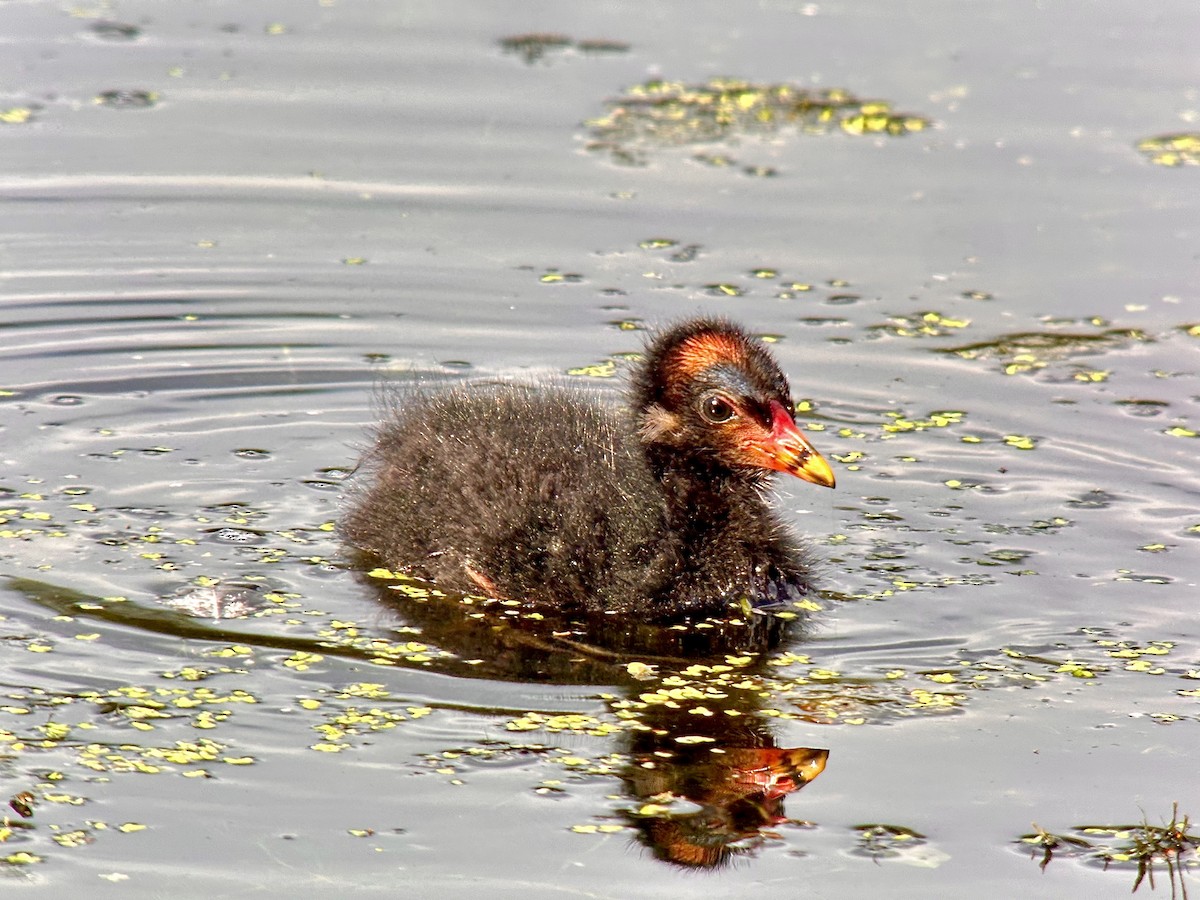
x=227 y=222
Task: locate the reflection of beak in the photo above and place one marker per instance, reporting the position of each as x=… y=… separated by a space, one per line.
x=788 y=450
x=774 y=771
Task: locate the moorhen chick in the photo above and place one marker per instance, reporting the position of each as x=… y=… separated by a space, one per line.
x=543 y=495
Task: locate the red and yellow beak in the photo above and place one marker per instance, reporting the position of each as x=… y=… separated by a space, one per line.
x=786 y=449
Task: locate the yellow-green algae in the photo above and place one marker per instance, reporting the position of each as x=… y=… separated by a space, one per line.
x=662 y=113
x=922 y=324
x=1030 y=351
x=16 y=115
x=342 y=721
x=786 y=684
x=1182 y=149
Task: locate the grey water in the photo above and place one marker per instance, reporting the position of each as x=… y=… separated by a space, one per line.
x=225 y=224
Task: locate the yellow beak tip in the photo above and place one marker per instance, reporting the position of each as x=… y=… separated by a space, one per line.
x=817 y=471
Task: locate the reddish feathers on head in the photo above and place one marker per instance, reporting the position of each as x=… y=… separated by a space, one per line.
x=706 y=350
x=710 y=364
x=680 y=355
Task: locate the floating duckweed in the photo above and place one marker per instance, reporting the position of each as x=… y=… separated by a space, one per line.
x=131 y=758
x=929 y=700
x=641 y=671
x=67 y=799
x=234 y=650
x=1020 y=441
x=923 y=324
x=1144 y=666
x=597 y=829
x=576 y=723
x=606 y=369
x=72 y=838
x=664 y=113
x=1023 y=362
x=354 y=721
x=877 y=118
x=1024 y=352
x=936 y=419
x=16 y=115
x=301 y=660
x=414 y=591
x=724 y=290
x=1127 y=650
x=22 y=859
x=788 y=658
x=1076 y=670
x=1181 y=149
x=653 y=809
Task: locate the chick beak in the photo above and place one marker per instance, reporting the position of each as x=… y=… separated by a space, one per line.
x=788 y=450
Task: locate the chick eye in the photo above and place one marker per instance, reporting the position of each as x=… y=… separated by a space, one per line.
x=716 y=409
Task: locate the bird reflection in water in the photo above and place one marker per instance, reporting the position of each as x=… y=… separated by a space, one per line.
x=739 y=792
x=717 y=753
x=703 y=778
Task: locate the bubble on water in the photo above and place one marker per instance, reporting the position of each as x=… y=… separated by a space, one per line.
x=216 y=601
x=236 y=536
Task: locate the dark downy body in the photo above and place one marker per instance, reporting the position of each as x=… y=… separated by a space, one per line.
x=544 y=495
